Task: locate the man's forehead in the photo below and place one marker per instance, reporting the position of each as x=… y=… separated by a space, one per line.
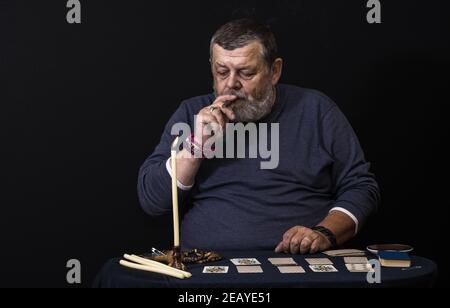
x=246 y=55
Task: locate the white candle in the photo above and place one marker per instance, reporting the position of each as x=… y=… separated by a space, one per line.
x=176 y=223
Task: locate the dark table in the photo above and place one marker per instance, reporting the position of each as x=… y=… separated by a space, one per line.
x=421 y=274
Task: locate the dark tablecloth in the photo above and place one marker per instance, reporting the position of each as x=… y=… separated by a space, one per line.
x=422 y=274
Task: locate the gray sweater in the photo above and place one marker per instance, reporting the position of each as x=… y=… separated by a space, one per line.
x=234 y=204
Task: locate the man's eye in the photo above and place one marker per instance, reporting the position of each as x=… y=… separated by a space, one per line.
x=222 y=73
x=247 y=74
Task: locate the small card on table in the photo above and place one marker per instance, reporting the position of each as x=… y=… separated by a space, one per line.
x=318 y=261
x=245 y=261
x=359 y=268
x=291 y=269
x=344 y=253
x=215 y=269
x=249 y=269
x=282 y=261
x=356 y=260
x=324 y=268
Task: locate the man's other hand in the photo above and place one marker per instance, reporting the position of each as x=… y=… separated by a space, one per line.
x=303 y=240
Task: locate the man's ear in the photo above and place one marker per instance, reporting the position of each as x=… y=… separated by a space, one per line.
x=277 y=68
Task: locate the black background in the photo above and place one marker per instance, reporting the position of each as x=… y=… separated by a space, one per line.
x=83 y=105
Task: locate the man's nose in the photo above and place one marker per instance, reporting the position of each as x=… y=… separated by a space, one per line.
x=233 y=82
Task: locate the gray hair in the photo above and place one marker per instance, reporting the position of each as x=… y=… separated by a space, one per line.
x=241 y=32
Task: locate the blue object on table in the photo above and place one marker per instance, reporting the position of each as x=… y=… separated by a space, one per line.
x=393 y=255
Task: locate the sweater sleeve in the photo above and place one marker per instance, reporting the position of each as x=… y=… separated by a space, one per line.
x=355 y=188
x=154 y=178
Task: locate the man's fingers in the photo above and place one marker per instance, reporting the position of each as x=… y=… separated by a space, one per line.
x=203 y=120
x=315 y=246
x=305 y=245
x=229 y=113
x=279 y=247
x=309 y=237
x=218 y=115
x=223 y=98
x=295 y=245
x=290 y=233
x=220 y=100
x=287 y=239
x=300 y=239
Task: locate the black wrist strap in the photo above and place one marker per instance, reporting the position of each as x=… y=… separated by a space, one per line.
x=328 y=234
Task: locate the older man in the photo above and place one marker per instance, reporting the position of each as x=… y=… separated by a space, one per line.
x=317 y=197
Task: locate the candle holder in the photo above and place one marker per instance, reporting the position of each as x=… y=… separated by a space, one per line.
x=176 y=261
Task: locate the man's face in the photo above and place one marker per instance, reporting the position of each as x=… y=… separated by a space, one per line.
x=244 y=73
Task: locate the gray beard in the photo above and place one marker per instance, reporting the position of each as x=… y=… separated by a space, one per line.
x=247 y=109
